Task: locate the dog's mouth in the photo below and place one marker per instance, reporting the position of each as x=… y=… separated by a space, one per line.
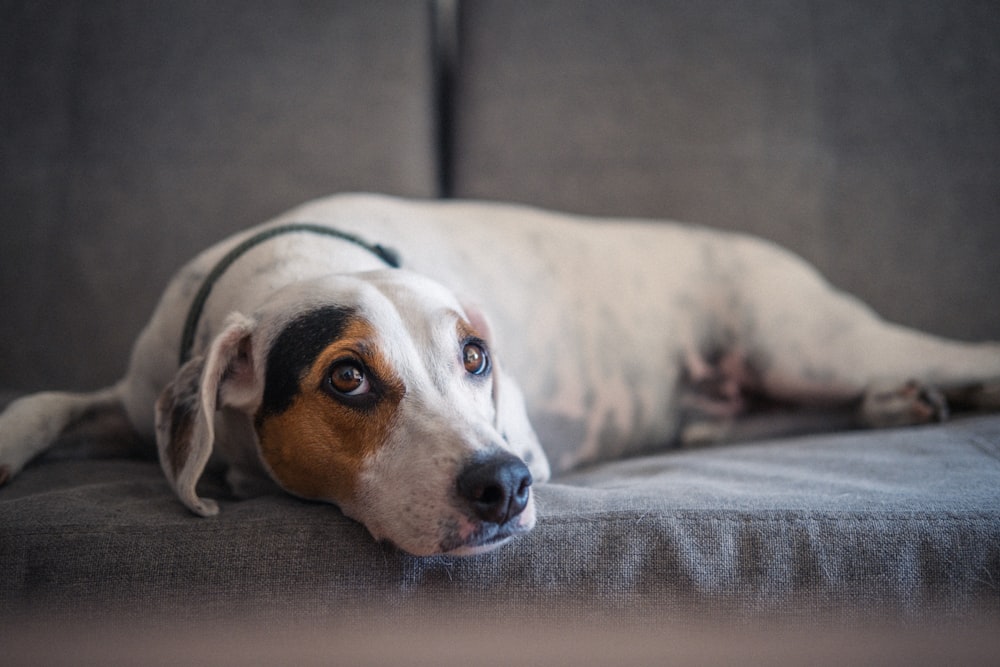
x=484 y=538
x=465 y=536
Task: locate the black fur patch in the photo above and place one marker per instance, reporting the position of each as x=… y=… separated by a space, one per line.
x=294 y=352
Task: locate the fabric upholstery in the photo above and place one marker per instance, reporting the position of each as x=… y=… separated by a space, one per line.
x=137 y=133
x=862 y=135
x=896 y=524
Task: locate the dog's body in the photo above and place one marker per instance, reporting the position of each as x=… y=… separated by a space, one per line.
x=388 y=392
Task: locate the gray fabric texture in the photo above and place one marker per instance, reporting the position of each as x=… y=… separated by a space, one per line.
x=901 y=523
x=863 y=135
x=137 y=133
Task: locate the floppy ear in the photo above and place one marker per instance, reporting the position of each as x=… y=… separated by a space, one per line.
x=508 y=401
x=185 y=411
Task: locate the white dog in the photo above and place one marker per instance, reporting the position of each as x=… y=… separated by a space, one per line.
x=296 y=352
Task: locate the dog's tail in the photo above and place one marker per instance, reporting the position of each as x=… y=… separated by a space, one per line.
x=35 y=423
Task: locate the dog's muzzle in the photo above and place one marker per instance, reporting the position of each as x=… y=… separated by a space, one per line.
x=495 y=490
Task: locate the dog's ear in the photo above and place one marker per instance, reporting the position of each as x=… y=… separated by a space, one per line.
x=508 y=401
x=185 y=411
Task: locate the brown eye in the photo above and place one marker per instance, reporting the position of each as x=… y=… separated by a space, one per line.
x=475 y=359
x=348 y=378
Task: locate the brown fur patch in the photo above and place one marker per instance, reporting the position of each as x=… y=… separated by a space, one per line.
x=317 y=447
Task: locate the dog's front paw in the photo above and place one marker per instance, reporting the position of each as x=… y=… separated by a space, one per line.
x=902 y=405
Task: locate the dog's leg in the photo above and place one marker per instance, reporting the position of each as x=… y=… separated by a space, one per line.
x=810 y=344
x=896 y=376
x=32 y=424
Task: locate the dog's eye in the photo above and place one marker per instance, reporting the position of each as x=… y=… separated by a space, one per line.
x=475 y=359
x=348 y=379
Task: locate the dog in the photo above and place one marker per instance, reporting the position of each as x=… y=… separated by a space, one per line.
x=344 y=352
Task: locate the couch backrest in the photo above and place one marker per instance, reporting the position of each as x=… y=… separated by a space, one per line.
x=864 y=135
x=135 y=133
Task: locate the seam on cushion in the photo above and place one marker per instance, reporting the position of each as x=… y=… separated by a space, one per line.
x=984 y=519
x=199 y=525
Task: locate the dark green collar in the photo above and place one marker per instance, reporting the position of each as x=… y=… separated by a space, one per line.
x=198 y=305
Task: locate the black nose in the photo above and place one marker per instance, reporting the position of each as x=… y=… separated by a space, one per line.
x=496 y=488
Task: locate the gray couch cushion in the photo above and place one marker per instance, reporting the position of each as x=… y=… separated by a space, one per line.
x=863 y=135
x=893 y=524
x=137 y=133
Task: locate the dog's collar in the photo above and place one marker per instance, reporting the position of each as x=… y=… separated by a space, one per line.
x=387 y=255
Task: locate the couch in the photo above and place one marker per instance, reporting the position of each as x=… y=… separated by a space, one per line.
x=863 y=135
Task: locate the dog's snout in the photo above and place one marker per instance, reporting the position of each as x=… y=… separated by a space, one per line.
x=496 y=488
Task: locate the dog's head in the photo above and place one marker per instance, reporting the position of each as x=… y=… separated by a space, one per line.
x=379 y=392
